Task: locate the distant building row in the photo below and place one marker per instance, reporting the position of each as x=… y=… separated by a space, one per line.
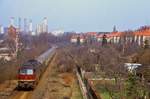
x=139 y=36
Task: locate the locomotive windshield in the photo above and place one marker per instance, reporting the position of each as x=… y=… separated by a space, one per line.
x=26 y=71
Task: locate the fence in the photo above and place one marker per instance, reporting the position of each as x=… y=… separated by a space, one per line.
x=87 y=90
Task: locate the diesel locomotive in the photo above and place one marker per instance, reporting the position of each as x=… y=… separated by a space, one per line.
x=30 y=72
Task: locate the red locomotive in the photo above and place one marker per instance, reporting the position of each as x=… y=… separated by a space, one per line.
x=30 y=72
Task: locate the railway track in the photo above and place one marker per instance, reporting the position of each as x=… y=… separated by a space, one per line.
x=11 y=92
x=26 y=93
x=21 y=95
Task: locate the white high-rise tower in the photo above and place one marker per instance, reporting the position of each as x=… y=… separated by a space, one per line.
x=39 y=29
x=25 y=26
x=12 y=21
x=30 y=26
x=19 y=24
x=1 y=29
x=45 y=25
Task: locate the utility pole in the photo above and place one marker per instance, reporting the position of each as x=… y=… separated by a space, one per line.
x=17 y=43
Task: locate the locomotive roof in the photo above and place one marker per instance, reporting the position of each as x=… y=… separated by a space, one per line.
x=31 y=64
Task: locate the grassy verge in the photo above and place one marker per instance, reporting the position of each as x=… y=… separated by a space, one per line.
x=108 y=90
x=76 y=91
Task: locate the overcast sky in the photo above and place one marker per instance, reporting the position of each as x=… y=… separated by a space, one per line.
x=79 y=15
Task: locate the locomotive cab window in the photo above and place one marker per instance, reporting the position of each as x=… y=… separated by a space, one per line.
x=26 y=71
x=29 y=71
x=22 y=71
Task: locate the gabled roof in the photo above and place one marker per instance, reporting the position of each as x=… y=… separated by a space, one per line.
x=116 y=34
x=78 y=35
x=99 y=36
x=142 y=33
x=91 y=33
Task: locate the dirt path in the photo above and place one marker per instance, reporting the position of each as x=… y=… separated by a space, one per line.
x=21 y=95
x=41 y=88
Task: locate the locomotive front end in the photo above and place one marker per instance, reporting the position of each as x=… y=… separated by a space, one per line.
x=26 y=77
